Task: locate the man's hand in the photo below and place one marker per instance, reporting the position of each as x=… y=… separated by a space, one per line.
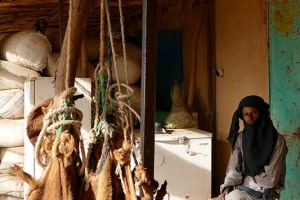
x=221 y=196
x=225 y=192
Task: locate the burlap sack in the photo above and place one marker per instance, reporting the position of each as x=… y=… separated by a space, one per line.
x=11 y=132
x=12 y=103
x=133 y=73
x=93 y=46
x=27 y=48
x=11 y=187
x=10 y=155
x=13 y=76
x=51 y=68
x=135 y=99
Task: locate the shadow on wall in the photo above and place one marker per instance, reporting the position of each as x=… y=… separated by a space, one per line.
x=221 y=156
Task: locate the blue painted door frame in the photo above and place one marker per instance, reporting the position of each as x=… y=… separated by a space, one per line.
x=284 y=38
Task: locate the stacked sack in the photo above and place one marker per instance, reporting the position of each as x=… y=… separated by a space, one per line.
x=23 y=56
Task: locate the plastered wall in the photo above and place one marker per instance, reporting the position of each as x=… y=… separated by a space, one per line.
x=242 y=51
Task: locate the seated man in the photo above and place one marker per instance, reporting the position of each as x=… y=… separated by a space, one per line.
x=257 y=168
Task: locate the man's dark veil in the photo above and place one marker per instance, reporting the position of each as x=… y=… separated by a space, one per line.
x=258 y=139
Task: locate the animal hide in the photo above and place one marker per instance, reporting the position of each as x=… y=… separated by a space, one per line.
x=99 y=186
x=64 y=169
x=56 y=182
x=36 y=116
x=35 y=119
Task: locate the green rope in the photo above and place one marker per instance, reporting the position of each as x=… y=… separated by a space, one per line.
x=103 y=84
x=65 y=116
x=101 y=94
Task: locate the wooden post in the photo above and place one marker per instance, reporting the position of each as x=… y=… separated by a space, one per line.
x=148 y=104
x=70 y=51
x=84 y=58
x=62 y=27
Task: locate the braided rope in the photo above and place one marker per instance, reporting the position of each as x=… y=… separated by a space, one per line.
x=125 y=65
x=120 y=98
x=104 y=127
x=52 y=121
x=108 y=95
x=92 y=140
x=112 y=42
x=67 y=80
x=99 y=87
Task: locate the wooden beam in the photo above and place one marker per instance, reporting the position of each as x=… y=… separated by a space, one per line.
x=70 y=52
x=148 y=104
x=62 y=26
x=113 y=3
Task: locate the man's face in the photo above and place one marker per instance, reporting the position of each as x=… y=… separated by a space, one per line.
x=250 y=114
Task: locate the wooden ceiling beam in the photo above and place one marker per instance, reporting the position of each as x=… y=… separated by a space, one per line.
x=22 y=15
x=127 y=3
x=42 y=2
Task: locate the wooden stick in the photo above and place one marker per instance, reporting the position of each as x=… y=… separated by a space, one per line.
x=84 y=59
x=130 y=195
x=74 y=35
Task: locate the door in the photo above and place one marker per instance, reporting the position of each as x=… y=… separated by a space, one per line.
x=284 y=36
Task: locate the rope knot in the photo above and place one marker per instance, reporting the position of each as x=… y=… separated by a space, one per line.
x=60 y=134
x=122 y=155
